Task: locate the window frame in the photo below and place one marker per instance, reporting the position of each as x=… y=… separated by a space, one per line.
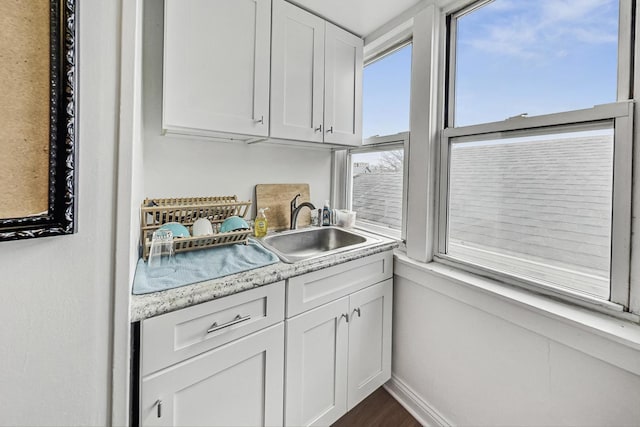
x=377 y=144
x=622 y=115
x=621 y=112
x=396 y=39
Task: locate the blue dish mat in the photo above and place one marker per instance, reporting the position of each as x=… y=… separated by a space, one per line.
x=205 y=264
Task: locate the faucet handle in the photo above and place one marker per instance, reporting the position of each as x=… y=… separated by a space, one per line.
x=294 y=202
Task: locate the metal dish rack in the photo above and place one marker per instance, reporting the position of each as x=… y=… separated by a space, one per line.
x=186 y=210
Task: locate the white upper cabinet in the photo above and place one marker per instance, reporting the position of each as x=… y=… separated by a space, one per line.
x=216 y=67
x=342 y=87
x=316 y=81
x=297 y=81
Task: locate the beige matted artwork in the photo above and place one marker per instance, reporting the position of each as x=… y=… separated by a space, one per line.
x=24 y=107
x=37 y=118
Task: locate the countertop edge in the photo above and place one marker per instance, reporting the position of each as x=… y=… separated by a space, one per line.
x=154 y=304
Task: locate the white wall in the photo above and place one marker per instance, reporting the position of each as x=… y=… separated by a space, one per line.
x=468 y=355
x=178 y=166
x=476 y=359
x=56 y=292
x=130 y=192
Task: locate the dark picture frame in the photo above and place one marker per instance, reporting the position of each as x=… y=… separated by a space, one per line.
x=60 y=217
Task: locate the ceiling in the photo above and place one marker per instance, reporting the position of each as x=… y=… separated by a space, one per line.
x=361 y=17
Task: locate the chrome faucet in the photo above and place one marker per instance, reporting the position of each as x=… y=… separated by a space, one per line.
x=295 y=210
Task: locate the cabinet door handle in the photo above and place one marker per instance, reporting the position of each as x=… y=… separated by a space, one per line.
x=237 y=319
x=261 y=121
x=158 y=406
x=330 y=130
x=318 y=129
x=357 y=310
x=346 y=316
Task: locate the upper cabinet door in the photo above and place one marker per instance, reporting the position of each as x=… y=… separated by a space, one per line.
x=297 y=78
x=343 y=87
x=216 y=66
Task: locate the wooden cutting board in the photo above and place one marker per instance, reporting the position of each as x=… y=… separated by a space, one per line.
x=277 y=197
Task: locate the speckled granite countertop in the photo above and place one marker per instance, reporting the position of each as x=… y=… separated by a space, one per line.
x=154 y=304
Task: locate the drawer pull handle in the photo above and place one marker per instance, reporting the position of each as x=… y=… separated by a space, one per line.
x=357 y=310
x=236 y=320
x=346 y=316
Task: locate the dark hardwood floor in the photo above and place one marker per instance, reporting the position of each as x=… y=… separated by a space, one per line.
x=377 y=410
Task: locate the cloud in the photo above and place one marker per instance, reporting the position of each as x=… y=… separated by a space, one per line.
x=510 y=40
x=593 y=36
x=572 y=10
x=542 y=28
x=505 y=5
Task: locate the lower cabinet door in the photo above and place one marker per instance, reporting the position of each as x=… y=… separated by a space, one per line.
x=369 y=340
x=316 y=371
x=237 y=384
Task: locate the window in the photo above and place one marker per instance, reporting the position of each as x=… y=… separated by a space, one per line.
x=538 y=206
x=386 y=87
x=535 y=180
x=539 y=57
x=377 y=186
x=376 y=171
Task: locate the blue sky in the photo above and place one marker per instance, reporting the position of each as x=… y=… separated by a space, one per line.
x=535 y=57
x=514 y=56
x=386 y=90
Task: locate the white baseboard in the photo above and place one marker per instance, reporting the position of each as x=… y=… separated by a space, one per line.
x=414 y=404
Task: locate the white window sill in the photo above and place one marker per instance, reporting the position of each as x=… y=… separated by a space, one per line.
x=378 y=230
x=613 y=340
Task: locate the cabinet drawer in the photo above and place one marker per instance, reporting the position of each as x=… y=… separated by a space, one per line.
x=176 y=336
x=319 y=287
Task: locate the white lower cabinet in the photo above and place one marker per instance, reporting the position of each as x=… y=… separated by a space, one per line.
x=219 y=363
x=316 y=371
x=337 y=354
x=369 y=341
x=222 y=363
x=237 y=384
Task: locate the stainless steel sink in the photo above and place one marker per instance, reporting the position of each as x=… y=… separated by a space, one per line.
x=297 y=245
